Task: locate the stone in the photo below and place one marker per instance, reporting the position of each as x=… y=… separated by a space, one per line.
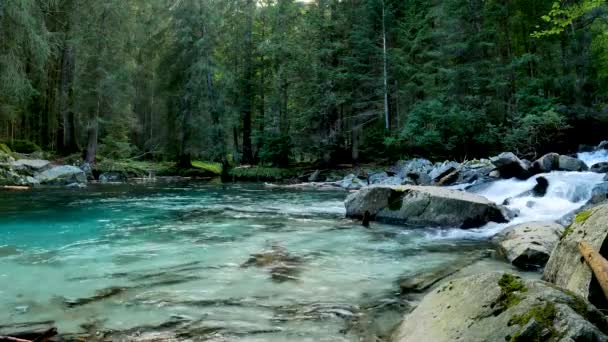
x=509 y=166
x=440 y=170
x=112 y=177
x=528 y=245
x=424 y=206
x=351 y=182
x=378 y=178
x=497 y=306
x=599 y=193
x=62 y=175
x=314 y=176
x=88 y=170
x=567 y=163
x=565 y=268
x=546 y=163
x=599 y=167
x=603 y=145
x=36 y=165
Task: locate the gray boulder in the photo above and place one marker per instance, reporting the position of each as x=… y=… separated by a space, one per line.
x=546 y=163
x=378 y=178
x=529 y=245
x=112 y=177
x=31 y=165
x=440 y=170
x=351 y=182
x=599 y=193
x=501 y=307
x=565 y=268
x=567 y=163
x=62 y=175
x=599 y=167
x=414 y=171
x=509 y=166
x=424 y=206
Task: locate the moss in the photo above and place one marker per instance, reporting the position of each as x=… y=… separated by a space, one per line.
x=511 y=288
x=544 y=315
x=132 y=168
x=582 y=216
x=22 y=146
x=260 y=173
x=566 y=232
x=5 y=149
x=214 y=168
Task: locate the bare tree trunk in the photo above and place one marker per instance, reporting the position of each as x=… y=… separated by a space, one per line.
x=69 y=144
x=91 y=142
x=386 y=113
x=248 y=91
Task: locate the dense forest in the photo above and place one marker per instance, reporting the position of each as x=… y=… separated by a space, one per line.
x=275 y=82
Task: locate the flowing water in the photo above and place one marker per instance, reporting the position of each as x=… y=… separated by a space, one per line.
x=180 y=255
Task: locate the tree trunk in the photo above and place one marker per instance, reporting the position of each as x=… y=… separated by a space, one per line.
x=92 y=142
x=385 y=62
x=248 y=91
x=597 y=263
x=69 y=144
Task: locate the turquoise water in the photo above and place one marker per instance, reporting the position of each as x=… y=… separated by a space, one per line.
x=174 y=258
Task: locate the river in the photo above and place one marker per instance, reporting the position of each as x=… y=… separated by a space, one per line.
x=139 y=257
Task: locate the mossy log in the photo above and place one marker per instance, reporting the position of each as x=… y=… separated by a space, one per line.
x=597 y=263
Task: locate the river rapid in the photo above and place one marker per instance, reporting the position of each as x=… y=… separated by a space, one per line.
x=179 y=257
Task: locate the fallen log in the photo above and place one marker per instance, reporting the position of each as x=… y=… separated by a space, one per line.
x=15 y=188
x=597 y=263
x=44 y=336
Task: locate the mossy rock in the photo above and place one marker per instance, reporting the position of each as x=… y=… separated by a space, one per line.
x=470 y=309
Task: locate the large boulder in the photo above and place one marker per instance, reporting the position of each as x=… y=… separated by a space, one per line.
x=415 y=171
x=352 y=182
x=565 y=268
x=501 y=307
x=62 y=175
x=423 y=206
x=599 y=193
x=529 y=245
x=599 y=167
x=546 y=163
x=567 y=163
x=31 y=165
x=509 y=166
x=440 y=170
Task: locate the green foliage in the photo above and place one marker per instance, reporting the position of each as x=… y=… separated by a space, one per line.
x=533 y=131
x=214 y=168
x=562 y=16
x=276 y=150
x=22 y=146
x=4 y=148
x=133 y=168
x=567 y=231
x=258 y=173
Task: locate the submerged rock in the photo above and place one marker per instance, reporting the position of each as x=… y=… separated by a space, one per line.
x=501 y=307
x=282 y=265
x=424 y=206
x=599 y=193
x=509 y=166
x=62 y=175
x=529 y=245
x=565 y=268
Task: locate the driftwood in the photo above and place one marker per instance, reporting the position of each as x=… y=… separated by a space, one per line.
x=597 y=263
x=41 y=337
x=15 y=187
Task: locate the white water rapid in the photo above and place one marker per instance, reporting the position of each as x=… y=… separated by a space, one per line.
x=567 y=192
